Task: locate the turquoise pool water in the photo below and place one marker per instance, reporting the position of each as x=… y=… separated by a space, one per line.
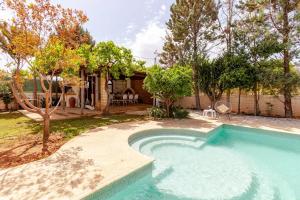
x=231 y=163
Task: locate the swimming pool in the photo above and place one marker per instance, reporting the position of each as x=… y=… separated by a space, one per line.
x=231 y=162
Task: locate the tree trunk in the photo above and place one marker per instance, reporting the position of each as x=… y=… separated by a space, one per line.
x=35 y=91
x=228 y=93
x=195 y=71
x=46 y=132
x=168 y=104
x=256 y=109
x=46 y=118
x=286 y=61
x=239 y=101
x=196 y=89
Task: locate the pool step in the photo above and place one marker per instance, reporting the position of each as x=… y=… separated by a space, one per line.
x=148 y=145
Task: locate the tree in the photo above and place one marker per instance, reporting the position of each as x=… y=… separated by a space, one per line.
x=274 y=81
x=191 y=30
x=284 y=18
x=30 y=40
x=237 y=74
x=209 y=78
x=228 y=8
x=74 y=37
x=169 y=84
x=253 y=39
x=111 y=60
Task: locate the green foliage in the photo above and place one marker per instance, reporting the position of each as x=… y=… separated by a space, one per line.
x=171 y=83
x=157 y=112
x=179 y=113
x=4 y=83
x=56 y=58
x=112 y=59
x=274 y=79
x=7 y=99
x=192 y=25
x=237 y=73
x=209 y=77
x=168 y=84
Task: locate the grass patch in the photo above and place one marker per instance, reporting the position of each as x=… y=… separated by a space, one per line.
x=14 y=126
x=74 y=127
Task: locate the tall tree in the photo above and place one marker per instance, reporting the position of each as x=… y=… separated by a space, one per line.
x=191 y=27
x=36 y=22
x=284 y=18
x=227 y=12
x=254 y=40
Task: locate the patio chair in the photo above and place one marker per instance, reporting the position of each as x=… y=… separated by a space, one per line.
x=136 y=98
x=130 y=98
x=111 y=99
x=223 y=108
x=125 y=99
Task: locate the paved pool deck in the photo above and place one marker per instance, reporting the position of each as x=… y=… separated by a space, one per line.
x=100 y=156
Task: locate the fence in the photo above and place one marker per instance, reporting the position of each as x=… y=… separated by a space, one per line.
x=269 y=105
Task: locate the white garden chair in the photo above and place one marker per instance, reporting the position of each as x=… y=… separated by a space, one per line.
x=125 y=99
x=136 y=98
x=130 y=98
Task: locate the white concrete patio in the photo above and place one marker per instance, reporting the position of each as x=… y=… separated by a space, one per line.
x=94 y=159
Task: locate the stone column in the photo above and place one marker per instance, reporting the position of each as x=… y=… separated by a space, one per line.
x=128 y=83
x=103 y=93
x=82 y=89
x=96 y=89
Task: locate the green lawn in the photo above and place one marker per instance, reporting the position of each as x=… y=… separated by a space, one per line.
x=15 y=126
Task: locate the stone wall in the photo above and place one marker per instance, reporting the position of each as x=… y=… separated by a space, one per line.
x=247 y=104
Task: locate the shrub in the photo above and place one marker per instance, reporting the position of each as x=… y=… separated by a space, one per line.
x=179 y=113
x=6 y=100
x=157 y=112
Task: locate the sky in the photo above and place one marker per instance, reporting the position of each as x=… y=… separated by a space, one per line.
x=135 y=24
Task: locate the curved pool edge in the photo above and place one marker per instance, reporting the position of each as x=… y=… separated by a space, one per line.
x=148 y=160
x=209 y=134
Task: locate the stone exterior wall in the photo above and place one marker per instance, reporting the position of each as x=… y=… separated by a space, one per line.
x=247 y=104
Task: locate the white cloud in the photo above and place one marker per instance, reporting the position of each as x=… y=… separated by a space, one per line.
x=147 y=41
x=130 y=27
x=150 y=38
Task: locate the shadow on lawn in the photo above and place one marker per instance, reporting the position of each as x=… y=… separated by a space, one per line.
x=74 y=127
x=59 y=173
